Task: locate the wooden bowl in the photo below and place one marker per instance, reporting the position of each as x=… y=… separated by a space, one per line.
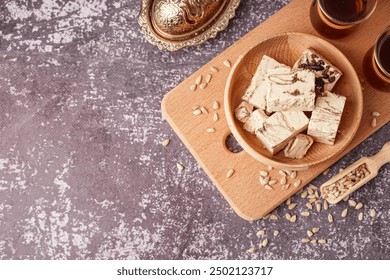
x=287 y=48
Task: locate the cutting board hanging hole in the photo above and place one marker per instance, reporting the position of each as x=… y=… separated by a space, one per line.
x=232 y=144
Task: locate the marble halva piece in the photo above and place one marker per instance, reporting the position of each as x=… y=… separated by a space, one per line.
x=257 y=90
x=243 y=111
x=255 y=121
x=298 y=146
x=278 y=129
x=326 y=117
x=291 y=92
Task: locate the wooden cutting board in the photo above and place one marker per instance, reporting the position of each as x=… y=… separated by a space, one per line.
x=242 y=190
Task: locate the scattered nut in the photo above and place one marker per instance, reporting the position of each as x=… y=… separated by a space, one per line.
x=251 y=250
x=198 y=80
x=359 y=206
x=293 y=175
x=297 y=183
x=273 y=217
x=344 y=213
x=325 y=205
x=204 y=110
x=214 y=69
x=272 y=182
x=165 y=142
x=373 y=122
x=352 y=202
x=293 y=218
x=305 y=214
x=197 y=112
x=292 y=206
x=230 y=173
x=227 y=63
x=263 y=173
x=260 y=232
x=180 y=166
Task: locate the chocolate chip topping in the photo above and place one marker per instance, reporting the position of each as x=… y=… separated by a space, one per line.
x=295 y=93
x=319 y=85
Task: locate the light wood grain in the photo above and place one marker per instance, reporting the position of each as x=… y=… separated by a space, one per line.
x=287 y=48
x=243 y=190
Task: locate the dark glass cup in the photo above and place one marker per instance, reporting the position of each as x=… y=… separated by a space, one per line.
x=376 y=62
x=335 y=19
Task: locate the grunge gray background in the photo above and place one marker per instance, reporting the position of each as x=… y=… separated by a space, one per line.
x=83 y=174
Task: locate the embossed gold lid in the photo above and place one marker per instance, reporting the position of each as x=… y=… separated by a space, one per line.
x=174 y=24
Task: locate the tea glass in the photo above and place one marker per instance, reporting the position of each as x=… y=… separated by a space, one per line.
x=377 y=75
x=332 y=26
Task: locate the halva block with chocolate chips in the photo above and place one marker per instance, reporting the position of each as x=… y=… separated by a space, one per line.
x=256 y=93
x=326 y=117
x=291 y=92
x=279 y=128
x=326 y=73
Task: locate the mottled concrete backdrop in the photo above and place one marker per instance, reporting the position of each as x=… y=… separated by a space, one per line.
x=83 y=174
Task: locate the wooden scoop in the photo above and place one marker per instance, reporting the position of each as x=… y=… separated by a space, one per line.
x=355 y=176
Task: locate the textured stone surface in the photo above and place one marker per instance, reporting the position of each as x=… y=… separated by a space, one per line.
x=82 y=171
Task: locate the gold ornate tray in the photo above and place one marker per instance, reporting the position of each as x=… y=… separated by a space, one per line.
x=175 y=24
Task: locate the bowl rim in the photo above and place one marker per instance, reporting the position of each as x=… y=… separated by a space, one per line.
x=257 y=155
